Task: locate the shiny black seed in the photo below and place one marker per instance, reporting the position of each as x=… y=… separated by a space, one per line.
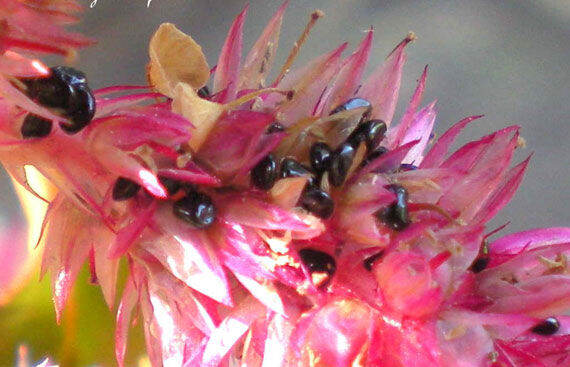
x=372 y=156
x=317 y=201
x=341 y=161
x=124 y=189
x=549 y=326
x=80 y=110
x=479 y=264
x=352 y=104
x=264 y=174
x=370 y=132
x=292 y=168
x=171 y=186
x=396 y=215
x=320 y=156
x=407 y=167
x=195 y=208
x=369 y=261
x=318 y=261
x=55 y=90
x=204 y=92
x=35 y=126
x=275 y=127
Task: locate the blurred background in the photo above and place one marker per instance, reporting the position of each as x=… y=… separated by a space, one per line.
x=506 y=59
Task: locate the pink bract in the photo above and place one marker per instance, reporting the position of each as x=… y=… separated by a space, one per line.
x=247 y=290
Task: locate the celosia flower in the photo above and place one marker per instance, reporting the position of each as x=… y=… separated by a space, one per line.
x=287 y=223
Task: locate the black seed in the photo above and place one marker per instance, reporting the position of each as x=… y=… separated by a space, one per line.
x=318 y=261
x=171 y=186
x=352 y=104
x=264 y=174
x=292 y=168
x=66 y=89
x=195 y=208
x=275 y=127
x=396 y=215
x=407 y=167
x=372 y=156
x=549 y=326
x=320 y=156
x=369 y=261
x=124 y=189
x=317 y=201
x=35 y=126
x=80 y=110
x=370 y=132
x=54 y=91
x=479 y=264
x=204 y=92
x=341 y=161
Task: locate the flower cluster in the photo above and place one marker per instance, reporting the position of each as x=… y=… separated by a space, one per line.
x=283 y=223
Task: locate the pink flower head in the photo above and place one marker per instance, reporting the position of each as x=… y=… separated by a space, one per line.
x=289 y=222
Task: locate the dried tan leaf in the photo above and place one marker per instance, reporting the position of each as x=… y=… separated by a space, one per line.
x=202 y=113
x=175 y=57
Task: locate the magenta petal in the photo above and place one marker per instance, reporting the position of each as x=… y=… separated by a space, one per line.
x=437 y=153
x=128 y=234
x=308 y=85
x=258 y=62
x=124 y=311
x=531 y=239
x=503 y=194
x=348 y=78
x=383 y=86
x=230 y=330
x=398 y=132
x=420 y=129
x=226 y=76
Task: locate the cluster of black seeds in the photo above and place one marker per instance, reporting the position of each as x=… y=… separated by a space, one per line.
x=66 y=92
x=194 y=207
x=323 y=159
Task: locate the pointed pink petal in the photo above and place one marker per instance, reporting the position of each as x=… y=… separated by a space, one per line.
x=504 y=193
x=230 y=330
x=397 y=134
x=348 y=78
x=386 y=162
x=188 y=254
x=420 y=129
x=227 y=70
x=437 y=153
x=127 y=235
x=383 y=86
x=124 y=312
x=531 y=239
x=308 y=85
x=260 y=59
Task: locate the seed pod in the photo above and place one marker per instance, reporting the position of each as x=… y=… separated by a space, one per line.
x=264 y=174
x=292 y=168
x=318 y=262
x=125 y=189
x=372 y=156
x=317 y=202
x=196 y=209
x=352 y=104
x=341 y=161
x=370 y=132
x=396 y=215
x=320 y=156
x=549 y=326
x=35 y=126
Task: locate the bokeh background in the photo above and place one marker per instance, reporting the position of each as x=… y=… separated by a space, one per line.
x=507 y=59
